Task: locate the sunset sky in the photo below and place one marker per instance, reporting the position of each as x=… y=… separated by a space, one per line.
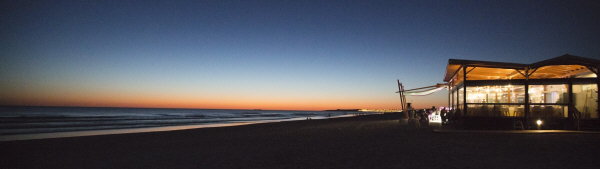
x=292 y=55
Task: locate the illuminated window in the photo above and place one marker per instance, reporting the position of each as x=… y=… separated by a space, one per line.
x=585 y=98
x=496 y=94
x=547 y=111
x=548 y=94
x=496 y=110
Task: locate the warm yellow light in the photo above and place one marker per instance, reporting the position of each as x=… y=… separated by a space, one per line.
x=538 y=122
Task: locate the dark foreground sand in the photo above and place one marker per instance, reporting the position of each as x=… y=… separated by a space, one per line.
x=376 y=141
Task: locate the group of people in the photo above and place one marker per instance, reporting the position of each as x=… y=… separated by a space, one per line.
x=449 y=116
x=420 y=115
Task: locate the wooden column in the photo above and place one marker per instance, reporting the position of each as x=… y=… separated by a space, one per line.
x=449 y=96
x=452 y=101
x=457 y=99
x=464 y=90
x=400 y=93
x=526 y=116
x=571 y=107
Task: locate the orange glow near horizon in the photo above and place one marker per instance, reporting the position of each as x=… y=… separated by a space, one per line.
x=148 y=95
x=156 y=100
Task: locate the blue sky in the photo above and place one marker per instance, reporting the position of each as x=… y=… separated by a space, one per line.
x=247 y=54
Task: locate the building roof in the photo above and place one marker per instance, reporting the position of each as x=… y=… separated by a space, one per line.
x=567 y=59
x=562 y=65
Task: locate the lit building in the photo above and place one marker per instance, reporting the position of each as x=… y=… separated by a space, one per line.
x=562 y=92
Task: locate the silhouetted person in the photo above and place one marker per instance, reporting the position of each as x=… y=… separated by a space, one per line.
x=423 y=118
x=444 y=115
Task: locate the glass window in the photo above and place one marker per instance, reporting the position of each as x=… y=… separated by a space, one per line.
x=548 y=93
x=585 y=98
x=496 y=94
x=547 y=111
x=459 y=100
x=496 y=110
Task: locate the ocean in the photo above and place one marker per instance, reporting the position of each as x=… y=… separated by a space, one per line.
x=27 y=120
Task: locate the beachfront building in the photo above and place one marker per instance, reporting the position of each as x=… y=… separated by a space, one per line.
x=558 y=93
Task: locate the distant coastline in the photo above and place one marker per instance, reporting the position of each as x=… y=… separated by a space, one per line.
x=344 y=110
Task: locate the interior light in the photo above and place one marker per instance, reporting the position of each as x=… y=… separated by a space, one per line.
x=539 y=122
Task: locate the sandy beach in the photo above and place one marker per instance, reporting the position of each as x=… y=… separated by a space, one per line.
x=372 y=141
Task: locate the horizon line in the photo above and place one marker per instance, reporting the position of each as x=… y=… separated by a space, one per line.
x=173 y=107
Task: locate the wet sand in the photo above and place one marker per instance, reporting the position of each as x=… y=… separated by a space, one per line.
x=374 y=141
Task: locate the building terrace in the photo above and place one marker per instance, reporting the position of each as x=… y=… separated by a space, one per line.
x=560 y=93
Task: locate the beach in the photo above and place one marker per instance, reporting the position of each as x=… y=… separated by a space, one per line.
x=369 y=141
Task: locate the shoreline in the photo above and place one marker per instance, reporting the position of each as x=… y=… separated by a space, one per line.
x=36 y=136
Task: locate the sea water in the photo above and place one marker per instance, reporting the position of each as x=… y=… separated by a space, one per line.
x=21 y=120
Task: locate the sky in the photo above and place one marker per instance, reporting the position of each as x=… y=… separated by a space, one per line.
x=285 y=55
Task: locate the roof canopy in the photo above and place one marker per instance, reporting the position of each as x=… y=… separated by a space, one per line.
x=558 y=67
